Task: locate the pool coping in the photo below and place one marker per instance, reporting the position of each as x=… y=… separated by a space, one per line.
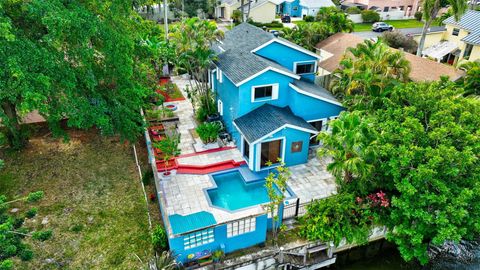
x=247 y=181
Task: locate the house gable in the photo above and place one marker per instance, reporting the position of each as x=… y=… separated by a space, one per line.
x=287 y=55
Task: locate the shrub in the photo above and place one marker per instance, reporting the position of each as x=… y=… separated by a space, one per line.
x=26 y=254
x=35 y=196
x=42 y=235
x=147 y=177
x=169 y=145
x=208 y=132
x=207 y=107
x=159 y=238
x=309 y=18
x=236 y=15
x=418 y=15
x=6 y=264
x=370 y=16
x=159 y=114
x=31 y=213
x=397 y=39
x=353 y=10
x=273 y=24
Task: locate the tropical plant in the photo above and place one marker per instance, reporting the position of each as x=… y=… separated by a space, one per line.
x=169 y=146
x=208 y=132
x=164 y=261
x=307 y=35
x=430 y=9
x=336 y=218
x=160 y=52
x=349 y=143
x=159 y=238
x=335 y=19
x=217 y=255
x=12 y=232
x=398 y=40
x=471 y=80
x=206 y=107
x=370 y=16
x=193 y=39
x=67 y=64
x=276 y=185
x=368 y=73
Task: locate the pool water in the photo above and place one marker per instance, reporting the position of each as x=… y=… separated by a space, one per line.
x=233 y=193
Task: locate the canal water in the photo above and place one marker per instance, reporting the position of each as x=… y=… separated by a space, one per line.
x=382 y=255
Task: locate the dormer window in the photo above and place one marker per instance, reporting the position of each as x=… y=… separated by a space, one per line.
x=304 y=68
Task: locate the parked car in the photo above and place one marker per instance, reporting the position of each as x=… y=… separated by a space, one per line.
x=286 y=19
x=381 y=26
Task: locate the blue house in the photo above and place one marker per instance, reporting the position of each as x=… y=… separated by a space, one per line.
x=300 y=8
x=265 y=92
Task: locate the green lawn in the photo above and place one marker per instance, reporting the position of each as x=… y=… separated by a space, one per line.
x=360 y=27
x=93 y=202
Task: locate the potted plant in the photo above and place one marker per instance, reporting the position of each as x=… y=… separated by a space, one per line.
x=217 y=255
x=208 y=132
x=169 y=148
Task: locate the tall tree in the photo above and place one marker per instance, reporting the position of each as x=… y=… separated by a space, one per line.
x=430 y=9
x=429 y=154
x=336 y=20
x=73 y=60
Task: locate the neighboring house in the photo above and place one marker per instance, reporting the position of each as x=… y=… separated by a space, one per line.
x=459 y=42
x=225 y=9
x=263 y=11
x=409 y=6
x=301 y=8
x=266 y=96
x=332 y=50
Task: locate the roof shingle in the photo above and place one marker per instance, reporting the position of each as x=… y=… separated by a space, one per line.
x=266 y=119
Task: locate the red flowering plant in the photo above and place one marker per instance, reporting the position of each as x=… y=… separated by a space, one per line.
x=374 y=205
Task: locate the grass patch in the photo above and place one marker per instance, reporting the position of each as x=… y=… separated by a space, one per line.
x=93 y=201
x=362 y=27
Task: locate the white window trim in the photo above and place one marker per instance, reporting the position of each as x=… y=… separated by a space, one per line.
x=275 y=90
x=233 y=228
x=324 y=124
x=315 y=68
x=213 y=80
x=259 y=151
x=220 y=107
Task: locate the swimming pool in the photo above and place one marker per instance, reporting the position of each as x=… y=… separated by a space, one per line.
x=233 y=193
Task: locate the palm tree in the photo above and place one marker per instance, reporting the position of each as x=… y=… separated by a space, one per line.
x=336 y=20
x=369 y=72
x=471 y=80
x=348 y=145
x=430 y=10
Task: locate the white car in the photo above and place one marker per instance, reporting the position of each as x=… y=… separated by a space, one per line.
x=381 y=26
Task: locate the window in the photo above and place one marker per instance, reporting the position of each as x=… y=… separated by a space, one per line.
x=385 y=9
x=468 y=51
x=304 y=68
x=270 y=152
x=296 y=147
x=263 y=92
x=220 y=107
x=401 y=8
x=246 y=149
x=198 y=238
x=455 y=31
x=295 y=8
x=240 y=227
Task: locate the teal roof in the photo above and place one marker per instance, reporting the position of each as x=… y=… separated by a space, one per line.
x=182 y=224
